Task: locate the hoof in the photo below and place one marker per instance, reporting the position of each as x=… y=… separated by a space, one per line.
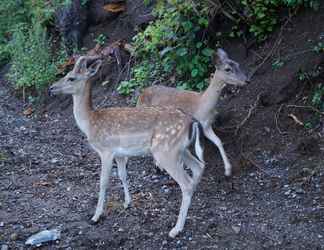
x=174 y=232
x=94 y=221
x=127 y=205
x=228 y=171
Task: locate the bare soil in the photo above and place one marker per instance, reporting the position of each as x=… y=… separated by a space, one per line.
x=50 y=177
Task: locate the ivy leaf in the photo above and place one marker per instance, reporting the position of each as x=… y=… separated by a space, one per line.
x=194 y=72
x=207 y=52
x=182 y=51
x=165 y=51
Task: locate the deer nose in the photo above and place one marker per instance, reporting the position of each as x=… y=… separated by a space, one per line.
x=50 y=91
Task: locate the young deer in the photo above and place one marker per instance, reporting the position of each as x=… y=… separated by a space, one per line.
x=203 y=106
x=117 y=133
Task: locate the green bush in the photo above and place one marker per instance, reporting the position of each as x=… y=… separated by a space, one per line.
x=32 y=63
x=23 y=40
x=262 y=16
x=174 y=45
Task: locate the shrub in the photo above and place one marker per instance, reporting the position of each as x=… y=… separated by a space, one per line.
x=175 y=45
x=23 y=39
x=261 y=16
x=32 y=63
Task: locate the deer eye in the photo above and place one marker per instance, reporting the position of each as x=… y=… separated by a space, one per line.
x=71 y=79
x=228 y=69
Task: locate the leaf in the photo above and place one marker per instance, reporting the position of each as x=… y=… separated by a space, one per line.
x=28 y=111
x=165 y=51
x=207 y=52
x=115 y=7
x=182 y=52
x=194 y=72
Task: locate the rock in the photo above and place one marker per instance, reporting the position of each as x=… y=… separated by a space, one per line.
x=43 y=236
x=14 y=236
x=4 y=247
x=1 y=224
x=236 y=229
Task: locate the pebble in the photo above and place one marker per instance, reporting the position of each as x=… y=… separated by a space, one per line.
x=288 y=192
x=4 y=247
x=1 y=224
x=14 y=236
x=236 y=229
x=299 y=191
x=164 y=242
x=54 y=160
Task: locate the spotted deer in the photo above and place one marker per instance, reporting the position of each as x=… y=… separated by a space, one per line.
x=117 y=133
x=203 y=106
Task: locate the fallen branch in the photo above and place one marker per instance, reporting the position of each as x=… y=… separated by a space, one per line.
x=252 y=108
x=306 y=107
x=299 y=122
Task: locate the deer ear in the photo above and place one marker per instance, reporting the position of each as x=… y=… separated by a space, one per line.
x=93 y=68
x=220 y=57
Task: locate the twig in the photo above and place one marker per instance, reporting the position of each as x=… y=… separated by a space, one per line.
x=274 y=47
x=252 y=108
x=277 y=114
x=299 y=122
x=306 y=107
x=254 y=164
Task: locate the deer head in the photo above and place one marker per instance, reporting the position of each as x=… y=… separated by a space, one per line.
x=75 y=81
x=228 y=71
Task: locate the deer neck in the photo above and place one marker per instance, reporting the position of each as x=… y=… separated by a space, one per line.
x=82 y=108
x=209 y=99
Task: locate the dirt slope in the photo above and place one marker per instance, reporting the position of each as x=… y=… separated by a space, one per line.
x=49 y=175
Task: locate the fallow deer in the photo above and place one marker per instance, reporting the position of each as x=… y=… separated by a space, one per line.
x=203 y=106
x=117 y=133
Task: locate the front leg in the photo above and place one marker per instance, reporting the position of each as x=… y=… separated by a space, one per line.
x=209 y=133
x=106 y=164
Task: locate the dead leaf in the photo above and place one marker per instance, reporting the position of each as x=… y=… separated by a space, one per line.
x=28 y=111
x=115 y=7
x=41 y=184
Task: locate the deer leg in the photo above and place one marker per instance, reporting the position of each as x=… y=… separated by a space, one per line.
x=209 y=133
x=121 y=164
x=106 y=164
x=196 y=166
x=174 y=167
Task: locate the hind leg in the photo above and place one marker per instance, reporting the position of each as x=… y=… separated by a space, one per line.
x=196 y=166
x=122 y=173
x=173 y=164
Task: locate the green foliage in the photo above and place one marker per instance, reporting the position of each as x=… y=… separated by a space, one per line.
x=319 y=47
x=261 y=16
x=23 y=39
x=318 y=97
x=32 y=63
x=173 y=46
x=101 y=39
x=277 y=64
